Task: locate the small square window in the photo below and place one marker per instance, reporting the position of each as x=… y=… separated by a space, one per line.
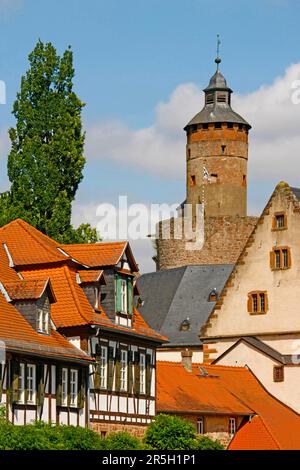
x=279 y=221
x=193 y=180
x=257 y=302
x=278 y=374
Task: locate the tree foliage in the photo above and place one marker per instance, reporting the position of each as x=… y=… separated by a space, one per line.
x=168 y=432
x=46 y=161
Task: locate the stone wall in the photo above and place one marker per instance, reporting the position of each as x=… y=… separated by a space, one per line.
x=225 y=238
x=104 y=428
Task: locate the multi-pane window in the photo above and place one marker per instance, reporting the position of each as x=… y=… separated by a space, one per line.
x=103 y=367
x=123 y=370
x=43 y=321
x=64 y=392
x=123 y=286
x=27 y=383
x=279 y=221
x=280 y=258
x=31 y=387
x=232 y=426
x=73 y=387
x=200 y=426
x=142 y=373
x=278 y=374
x=21 y=385
x=257 y=302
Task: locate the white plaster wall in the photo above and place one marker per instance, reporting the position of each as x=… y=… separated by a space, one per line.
x=175 y=356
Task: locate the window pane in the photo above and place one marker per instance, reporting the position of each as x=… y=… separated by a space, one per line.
x=64 y=386
x=254 y=302
x=262 y=303
x=142 y=373
x=103 y=367
x=123 y=371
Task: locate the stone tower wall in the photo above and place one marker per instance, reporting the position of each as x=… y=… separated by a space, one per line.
x=225 y=238
x=224 y=154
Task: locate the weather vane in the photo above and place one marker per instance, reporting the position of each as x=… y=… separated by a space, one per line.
x=218 y=59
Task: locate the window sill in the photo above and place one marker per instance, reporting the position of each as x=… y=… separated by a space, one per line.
x=257 y=313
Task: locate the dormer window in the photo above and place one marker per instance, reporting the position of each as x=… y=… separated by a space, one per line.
x=124 y=294
x=213 y=296
x=43 y=320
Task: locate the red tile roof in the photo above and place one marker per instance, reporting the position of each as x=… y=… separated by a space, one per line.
x=91 y=275
x=97 y=254
x=24 y=290
x=28 y=246
x=18 y=335
x=279 y=424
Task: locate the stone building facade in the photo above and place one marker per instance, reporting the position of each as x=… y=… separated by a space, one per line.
x=216 y=182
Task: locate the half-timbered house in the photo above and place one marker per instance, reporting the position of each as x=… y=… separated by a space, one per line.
x=94 y=289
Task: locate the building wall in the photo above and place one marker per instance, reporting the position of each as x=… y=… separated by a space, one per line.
x=253 y=273
x=224 y=239
x=262 y=366
x=175 y=355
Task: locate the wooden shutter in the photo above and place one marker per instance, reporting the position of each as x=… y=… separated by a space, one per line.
x=130 y=371
x=130 y=296
x=81 y=388
x=97 y=380
x=137 y=372
x=59 y=385
x=118 y=293
x=118 y=370
x=110 y=380
x=272 y=260
x=14 y=389
x=148 y=374
x=40 y=381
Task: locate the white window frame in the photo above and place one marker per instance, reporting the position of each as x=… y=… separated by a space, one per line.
x=103 y=367
x=44 y=321
x=73 y=387
x=64 y=386
x=200 y=425
x=21 y=384
x=124 y=295
x=31 y=383
x=124 y=370
x=97 y=296
x=232 y=426
x=142 y=373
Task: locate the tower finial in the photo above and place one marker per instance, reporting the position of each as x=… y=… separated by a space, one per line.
x=218 y=59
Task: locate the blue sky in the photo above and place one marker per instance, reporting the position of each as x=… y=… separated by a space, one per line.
x=130 y=56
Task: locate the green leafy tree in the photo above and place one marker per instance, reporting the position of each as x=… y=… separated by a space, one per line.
x=122 y=441
x=168 y=432
x=46 y=161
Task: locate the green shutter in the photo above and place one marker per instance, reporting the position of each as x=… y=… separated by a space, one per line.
x=148 y=375
x=130 y=371
x=14 y=389
x=110 y=380
x=130 y=296
x=97 y=376
x=137 y=373
x=40 y=381
x=58 y=385
x=81 y=388
x=118 y=370
x=118 y=293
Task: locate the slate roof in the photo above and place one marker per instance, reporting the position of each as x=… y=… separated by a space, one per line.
x=171 y=296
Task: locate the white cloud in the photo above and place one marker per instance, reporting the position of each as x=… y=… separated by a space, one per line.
x=160 y=148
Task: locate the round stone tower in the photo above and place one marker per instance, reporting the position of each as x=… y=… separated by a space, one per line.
x=217 y=154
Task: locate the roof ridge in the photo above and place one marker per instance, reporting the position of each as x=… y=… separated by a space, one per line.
x=94 y=244
x=25 y=225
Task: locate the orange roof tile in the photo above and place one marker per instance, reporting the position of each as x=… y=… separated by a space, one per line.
x=97 y=254
x=18 y=335
x=91 y=275
x=21 y=290
x=28 y=246
x=279 y=424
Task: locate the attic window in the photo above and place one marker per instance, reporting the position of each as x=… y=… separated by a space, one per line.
x=209 y=98
x=213 y=296
x=230 y=125
x=43 y=320
x=185 y=325
x=194 y=128
x=241 y=127
x=257 y=303
x=279 y=221
x=280 y=258
x=205 y=126
x=218 y=125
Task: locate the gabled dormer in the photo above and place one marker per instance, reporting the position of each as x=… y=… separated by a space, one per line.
x=33 y=299
x=92 y=282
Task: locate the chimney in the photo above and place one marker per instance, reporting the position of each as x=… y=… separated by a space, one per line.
x=186 y=360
